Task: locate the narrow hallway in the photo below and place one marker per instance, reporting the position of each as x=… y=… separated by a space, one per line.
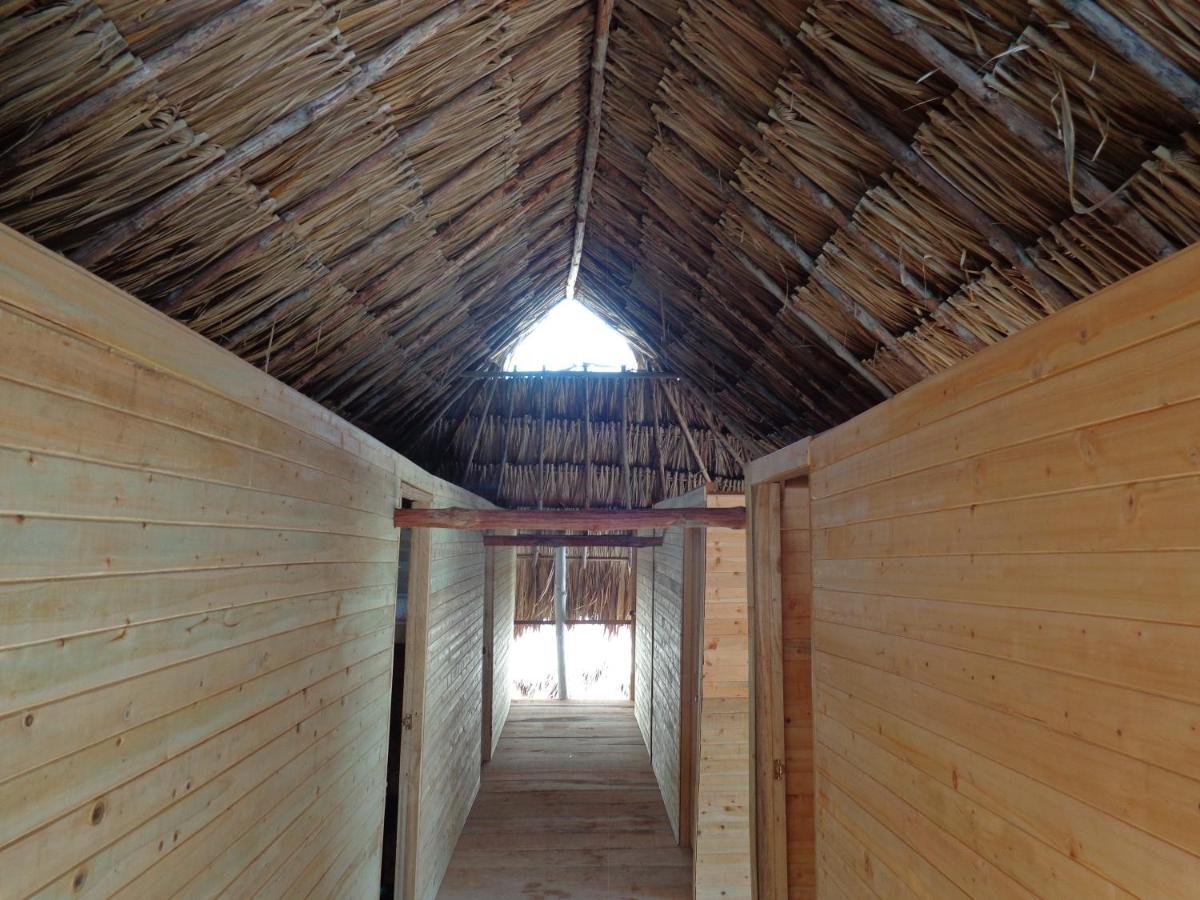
x=568 y=808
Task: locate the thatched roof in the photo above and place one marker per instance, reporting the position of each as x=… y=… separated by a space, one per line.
x=555 y=441
x=797 y=207
x=762 y=164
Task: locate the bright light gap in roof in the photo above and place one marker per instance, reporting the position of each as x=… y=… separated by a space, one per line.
x=571 y=336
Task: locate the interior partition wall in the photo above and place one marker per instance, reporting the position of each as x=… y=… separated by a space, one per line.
x=1004 y=626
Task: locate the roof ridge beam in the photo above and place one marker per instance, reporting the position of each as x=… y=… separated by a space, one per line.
x=604 y=9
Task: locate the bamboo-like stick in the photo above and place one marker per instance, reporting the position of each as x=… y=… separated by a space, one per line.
x=166 y=60
x=1134 y=49
x=487 y=404
x=587 y=443
x=154 y=211
x=673 y=402
x=624 y=389
x=541 y=448
x=591 y=150
x=822 y=333
x=913 y=165
x=908 y=30
x=504 y=444
x=658 y=457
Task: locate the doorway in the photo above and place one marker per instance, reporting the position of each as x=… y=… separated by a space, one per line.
x=403 y=759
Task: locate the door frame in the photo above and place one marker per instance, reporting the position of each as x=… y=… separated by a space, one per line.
x=408 y=806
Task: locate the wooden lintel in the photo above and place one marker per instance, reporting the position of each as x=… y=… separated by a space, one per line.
x=570 y=540
x=568 y=519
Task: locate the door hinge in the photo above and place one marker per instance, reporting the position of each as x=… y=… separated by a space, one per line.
x=407 y=721
x=779 y=769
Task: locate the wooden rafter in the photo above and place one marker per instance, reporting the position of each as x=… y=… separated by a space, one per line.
x=591 y=150
x=822 y=333
x=154 y=211
x=909 y=31
x=1163 y=71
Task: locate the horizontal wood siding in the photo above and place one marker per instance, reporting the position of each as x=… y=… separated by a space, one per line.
x=1006 y=569
x=197 y=596
x=722 y=849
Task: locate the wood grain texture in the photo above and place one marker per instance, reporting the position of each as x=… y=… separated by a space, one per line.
x=569 y=808
x=1004 y=643
x=723 y=849
x=196 y=614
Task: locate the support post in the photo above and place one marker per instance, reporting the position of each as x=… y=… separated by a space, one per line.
x=560 y=617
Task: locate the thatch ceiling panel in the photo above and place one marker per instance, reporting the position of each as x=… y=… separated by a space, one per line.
x=148 y=26
x=280 y=60
x=54 y=57
x=795 y=206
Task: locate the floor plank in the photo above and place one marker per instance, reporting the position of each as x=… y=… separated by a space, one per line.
x=568 y=808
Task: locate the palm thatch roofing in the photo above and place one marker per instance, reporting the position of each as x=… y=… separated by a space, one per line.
x=580 y=440
x=799 y=208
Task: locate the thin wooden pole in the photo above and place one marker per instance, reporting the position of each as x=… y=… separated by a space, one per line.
x=487 y=405
x=658 y=454
x=495 y=519
x=591 y=149
x=587 y=443
x=512 y=395
x=542 y=451
x=1134 y=49
x=624 y=387
x=673 y=401
x=544 y=539
x=560 y=617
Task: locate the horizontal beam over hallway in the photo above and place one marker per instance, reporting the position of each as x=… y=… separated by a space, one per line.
x=570 y=540
x=568 y=519
x=638 y=375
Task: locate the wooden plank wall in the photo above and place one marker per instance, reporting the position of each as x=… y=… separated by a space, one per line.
x=722 y=850
x=668 y=633
x=657 y=656
x=796 y=584
x=1005 y=578
x=643 y=648
x=505 y=589
x=196 y=611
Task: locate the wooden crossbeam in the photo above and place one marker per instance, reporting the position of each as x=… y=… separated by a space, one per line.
x=543 y=539
x=462 y=519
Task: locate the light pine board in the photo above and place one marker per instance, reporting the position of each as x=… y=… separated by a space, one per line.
x=196 y=613
x=569 y=808
x=1005 y=618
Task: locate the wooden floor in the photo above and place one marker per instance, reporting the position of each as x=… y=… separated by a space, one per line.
x=568 y=808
